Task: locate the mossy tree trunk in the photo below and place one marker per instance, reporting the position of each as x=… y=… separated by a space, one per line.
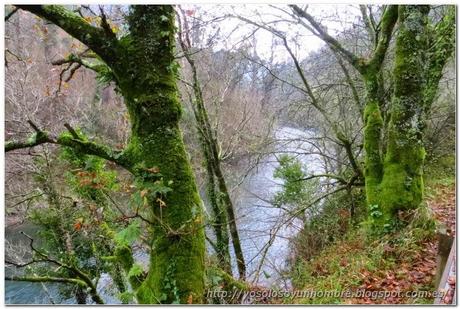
x=402 y=185
x=395 y=174
x=224 y=210
x=220 y=224
x=143 y=67
x=177 y=257
x=227 y=201
x=420 y=56
x=394 y=160
x=373 y=122
x=219 y=220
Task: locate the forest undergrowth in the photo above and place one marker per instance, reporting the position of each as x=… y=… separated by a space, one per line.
x=400 y=262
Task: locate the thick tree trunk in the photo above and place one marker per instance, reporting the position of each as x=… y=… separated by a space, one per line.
x=143 y=66
x=147 y=80
x=402 y=185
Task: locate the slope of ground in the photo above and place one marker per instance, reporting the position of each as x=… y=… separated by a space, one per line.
x=396 y=266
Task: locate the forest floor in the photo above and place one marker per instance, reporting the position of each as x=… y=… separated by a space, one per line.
x=403 y=262
x=422 y=270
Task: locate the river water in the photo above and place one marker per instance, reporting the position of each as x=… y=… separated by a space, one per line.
x=265 y=242
x=260 y=222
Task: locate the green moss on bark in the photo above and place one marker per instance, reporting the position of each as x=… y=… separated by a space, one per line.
x=178 y=237
x=372 y=140
x=151 y=96
x=402 y=184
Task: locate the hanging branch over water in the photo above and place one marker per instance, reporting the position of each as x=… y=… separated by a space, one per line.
x=81 y=278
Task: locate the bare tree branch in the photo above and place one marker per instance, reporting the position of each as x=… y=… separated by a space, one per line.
x=84 y=146
x=331 y=41
x=94 y=37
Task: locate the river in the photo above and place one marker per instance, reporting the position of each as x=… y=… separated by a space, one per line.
x=257 y=219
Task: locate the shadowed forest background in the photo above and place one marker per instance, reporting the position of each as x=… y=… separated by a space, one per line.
x=161 y=154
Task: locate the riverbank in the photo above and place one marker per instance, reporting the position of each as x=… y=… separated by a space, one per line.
x=403 y=268
x=402 y=263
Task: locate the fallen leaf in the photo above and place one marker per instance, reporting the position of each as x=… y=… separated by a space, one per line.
x=154 y=170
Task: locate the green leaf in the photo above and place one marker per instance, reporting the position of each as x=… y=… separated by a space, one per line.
x=164 y=33
x=157 y=188
x=135 y=270
x=195 y=211
x=215 y=280
x=163 y=297
x=126 y=297
x=128 y=235
x=136 y=198
x=32 y=138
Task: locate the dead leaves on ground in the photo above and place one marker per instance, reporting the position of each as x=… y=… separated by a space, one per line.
x=420 y=273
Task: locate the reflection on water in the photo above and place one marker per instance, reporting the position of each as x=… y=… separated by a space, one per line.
x=257 y=221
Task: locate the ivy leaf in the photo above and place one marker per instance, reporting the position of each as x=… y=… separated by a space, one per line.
x=267 y=275
x=158 y=188
x=215 y=279
x=164 y=33
x=163 y=297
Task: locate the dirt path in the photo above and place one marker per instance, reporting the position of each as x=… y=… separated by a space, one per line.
x=420 y=273
x=444 y=210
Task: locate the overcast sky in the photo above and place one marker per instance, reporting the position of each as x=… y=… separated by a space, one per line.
x=235 y=30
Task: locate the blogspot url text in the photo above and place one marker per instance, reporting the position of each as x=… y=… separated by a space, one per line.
x=360 y=293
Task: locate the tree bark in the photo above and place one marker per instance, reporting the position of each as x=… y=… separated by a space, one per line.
x=402 y=185
x=148 y=84
x=209 y=141
x=144 y=70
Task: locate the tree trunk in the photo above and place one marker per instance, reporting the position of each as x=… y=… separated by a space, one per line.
x=372 y=138
x=147 y=80
x=209 y=143
x=80 y=295
x=143 y=66
x=220 y=221
x=402 y=185
x=227 y=201
x=220 y=224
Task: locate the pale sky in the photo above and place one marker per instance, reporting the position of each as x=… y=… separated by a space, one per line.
x=236 y=29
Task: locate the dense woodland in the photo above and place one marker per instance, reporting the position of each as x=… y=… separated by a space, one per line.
x=157 y=153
